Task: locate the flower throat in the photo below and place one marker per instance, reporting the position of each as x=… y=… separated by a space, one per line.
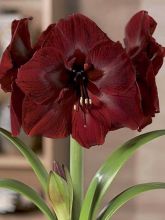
x=80 y=81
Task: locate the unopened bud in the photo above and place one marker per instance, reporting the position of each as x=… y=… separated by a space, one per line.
x=60 y=191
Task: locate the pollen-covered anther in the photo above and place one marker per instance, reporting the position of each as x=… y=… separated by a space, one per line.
x=81 y=101
x=86 y=101
x=90 y=101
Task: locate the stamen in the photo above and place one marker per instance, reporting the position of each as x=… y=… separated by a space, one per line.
x=81 y=81
x=85 y=121
x=86 y=101
x=90 y=101
x=81 y=101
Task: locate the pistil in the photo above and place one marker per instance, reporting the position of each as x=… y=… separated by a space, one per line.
x=81 y=81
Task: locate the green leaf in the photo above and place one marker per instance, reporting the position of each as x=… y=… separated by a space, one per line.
x=26 y=151
x=29 y=193
x=127 y=195
x=108 y=171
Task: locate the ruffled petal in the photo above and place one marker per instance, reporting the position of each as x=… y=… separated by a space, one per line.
x=124 y=109
x=89 y=128
x=44 y=37
x=50 y=120
x=16 y=110
x=147 y=84
x=138 y=39
x=138 y=32
x=156 y=55
x=17 y=53
x=77 y=32
x=7 y=73
x=43 y=76
x=20 y=46
x=147 y=57
x=117 y=71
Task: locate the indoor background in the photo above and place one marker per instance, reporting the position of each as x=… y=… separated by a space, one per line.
x=147 y=165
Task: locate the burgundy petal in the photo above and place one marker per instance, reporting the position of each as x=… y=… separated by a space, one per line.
x=16 y=110
x=49 y=120
x=138 y=32
x=20 y=46
x=44 y=37
x=124 y=109
x=16 y=53
x=89 y=128
x=77 y=32
x=156 y=54
x=7 y=73
x=147 y=84
x=117 y=71
x=43 y=76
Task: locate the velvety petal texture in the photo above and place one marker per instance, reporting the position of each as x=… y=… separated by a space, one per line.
x=17 y=98
x=117 y=85
x=16 y=54
x=75 y=33
x=138 y=32
x=147 y=57
x=43 y=77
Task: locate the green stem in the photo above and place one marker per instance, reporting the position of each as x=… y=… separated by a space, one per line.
x=76 y=171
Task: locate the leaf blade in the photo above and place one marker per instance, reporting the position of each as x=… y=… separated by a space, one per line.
x=126 y=196
x=108 y=171
x=34 y=161
x=29 y=193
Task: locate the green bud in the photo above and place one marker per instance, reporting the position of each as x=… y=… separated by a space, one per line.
x=60 y=191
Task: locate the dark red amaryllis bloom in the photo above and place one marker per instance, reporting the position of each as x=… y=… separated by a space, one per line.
x=79 y=82
x=17 y=53
x=147 y=56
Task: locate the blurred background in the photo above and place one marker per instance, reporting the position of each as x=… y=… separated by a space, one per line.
x=148 y=163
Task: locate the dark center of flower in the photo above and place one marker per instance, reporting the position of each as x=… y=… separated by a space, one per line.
x=80 y=82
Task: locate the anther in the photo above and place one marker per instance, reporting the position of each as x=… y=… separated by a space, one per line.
x=81 y=100
x=86 y=101
x=90 y=101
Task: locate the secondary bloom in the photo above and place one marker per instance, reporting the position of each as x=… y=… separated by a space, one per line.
x=147 y=56
x=17 y=53
x=78 y=82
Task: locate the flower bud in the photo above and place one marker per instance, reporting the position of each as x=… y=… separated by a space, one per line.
x=60 y=191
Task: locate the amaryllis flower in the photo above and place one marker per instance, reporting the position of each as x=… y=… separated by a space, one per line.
x=147 y=56
x=17 y=53
x=79 y=82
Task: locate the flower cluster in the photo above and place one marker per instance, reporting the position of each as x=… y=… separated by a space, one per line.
x=75 y=80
